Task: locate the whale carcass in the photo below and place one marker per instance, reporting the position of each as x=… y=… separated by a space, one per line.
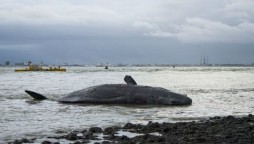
x=129 y=93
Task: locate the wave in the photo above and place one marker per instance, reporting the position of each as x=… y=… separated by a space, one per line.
x=228 y=91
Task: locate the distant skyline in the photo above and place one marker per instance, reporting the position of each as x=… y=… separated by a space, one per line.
x=128 y=32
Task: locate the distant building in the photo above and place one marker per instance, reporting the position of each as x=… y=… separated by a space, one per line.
x=204 y=61
x=7 y=63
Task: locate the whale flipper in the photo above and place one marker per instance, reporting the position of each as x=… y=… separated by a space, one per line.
x=35 y=95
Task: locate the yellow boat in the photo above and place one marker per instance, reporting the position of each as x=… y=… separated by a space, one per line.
x=39 y=68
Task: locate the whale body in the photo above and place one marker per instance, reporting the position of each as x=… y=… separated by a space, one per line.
x=121 y=94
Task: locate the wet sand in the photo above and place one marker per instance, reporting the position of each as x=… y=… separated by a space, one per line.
x=237 y=130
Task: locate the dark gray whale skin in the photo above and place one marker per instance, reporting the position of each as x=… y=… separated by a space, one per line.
x=126 y=94
x=121 y=94
x=129 y=93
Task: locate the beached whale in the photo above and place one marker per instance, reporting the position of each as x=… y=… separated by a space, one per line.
x=129 y=93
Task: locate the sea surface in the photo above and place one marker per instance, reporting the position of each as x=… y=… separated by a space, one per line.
x=215 y=91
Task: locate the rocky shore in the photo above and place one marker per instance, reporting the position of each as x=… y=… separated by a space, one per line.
x=216 y=130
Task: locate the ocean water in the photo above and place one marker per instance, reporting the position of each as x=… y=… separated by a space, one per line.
x=215 y=91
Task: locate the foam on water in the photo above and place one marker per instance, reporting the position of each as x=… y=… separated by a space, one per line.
x=215 y=91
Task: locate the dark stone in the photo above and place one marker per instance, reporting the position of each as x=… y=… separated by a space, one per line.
x=17 y=142
x=201 y=139
x=109 y=137
x=124 y=137
x=95 y=130
x=129 y=126
x=110 y=130
x=230 y=118
x=72 y=136
x=46 y=142
x=107 y=142
x=23 y=140
x=87 y=135
x=166 y=129
x=84 y=131
x=153 y=125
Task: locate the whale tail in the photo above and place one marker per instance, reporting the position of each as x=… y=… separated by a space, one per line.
x=35 y=95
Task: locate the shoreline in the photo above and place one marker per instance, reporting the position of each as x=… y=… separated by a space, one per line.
x=214 y=130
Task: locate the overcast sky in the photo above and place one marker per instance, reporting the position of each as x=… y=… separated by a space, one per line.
x=127 y=31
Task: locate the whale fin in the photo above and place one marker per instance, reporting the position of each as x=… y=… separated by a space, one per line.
x=129 y=80
x=35 y=95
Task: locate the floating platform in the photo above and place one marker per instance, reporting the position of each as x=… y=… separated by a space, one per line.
x=39 y=68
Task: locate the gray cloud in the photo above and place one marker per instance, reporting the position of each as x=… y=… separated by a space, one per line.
x=201 y=30
x=61 y=12
x=144 y=31
x=216 y=21
x=231 y=22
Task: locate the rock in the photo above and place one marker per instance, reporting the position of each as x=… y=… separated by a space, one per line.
x=124 y=137
x=132 y=126
x=153 y=126
x=87 y=135
x=84 y=131
x=72 y=136
x=110 y=130
x=107 y=142
x=128 y=126
x=46 y=142
x=95 y=130
x=23 y=140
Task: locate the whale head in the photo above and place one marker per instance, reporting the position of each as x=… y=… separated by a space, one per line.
x=166 y=97
x=175 y=99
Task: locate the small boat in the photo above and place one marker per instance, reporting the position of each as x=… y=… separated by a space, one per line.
x=32 y=67
x=106 y=67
